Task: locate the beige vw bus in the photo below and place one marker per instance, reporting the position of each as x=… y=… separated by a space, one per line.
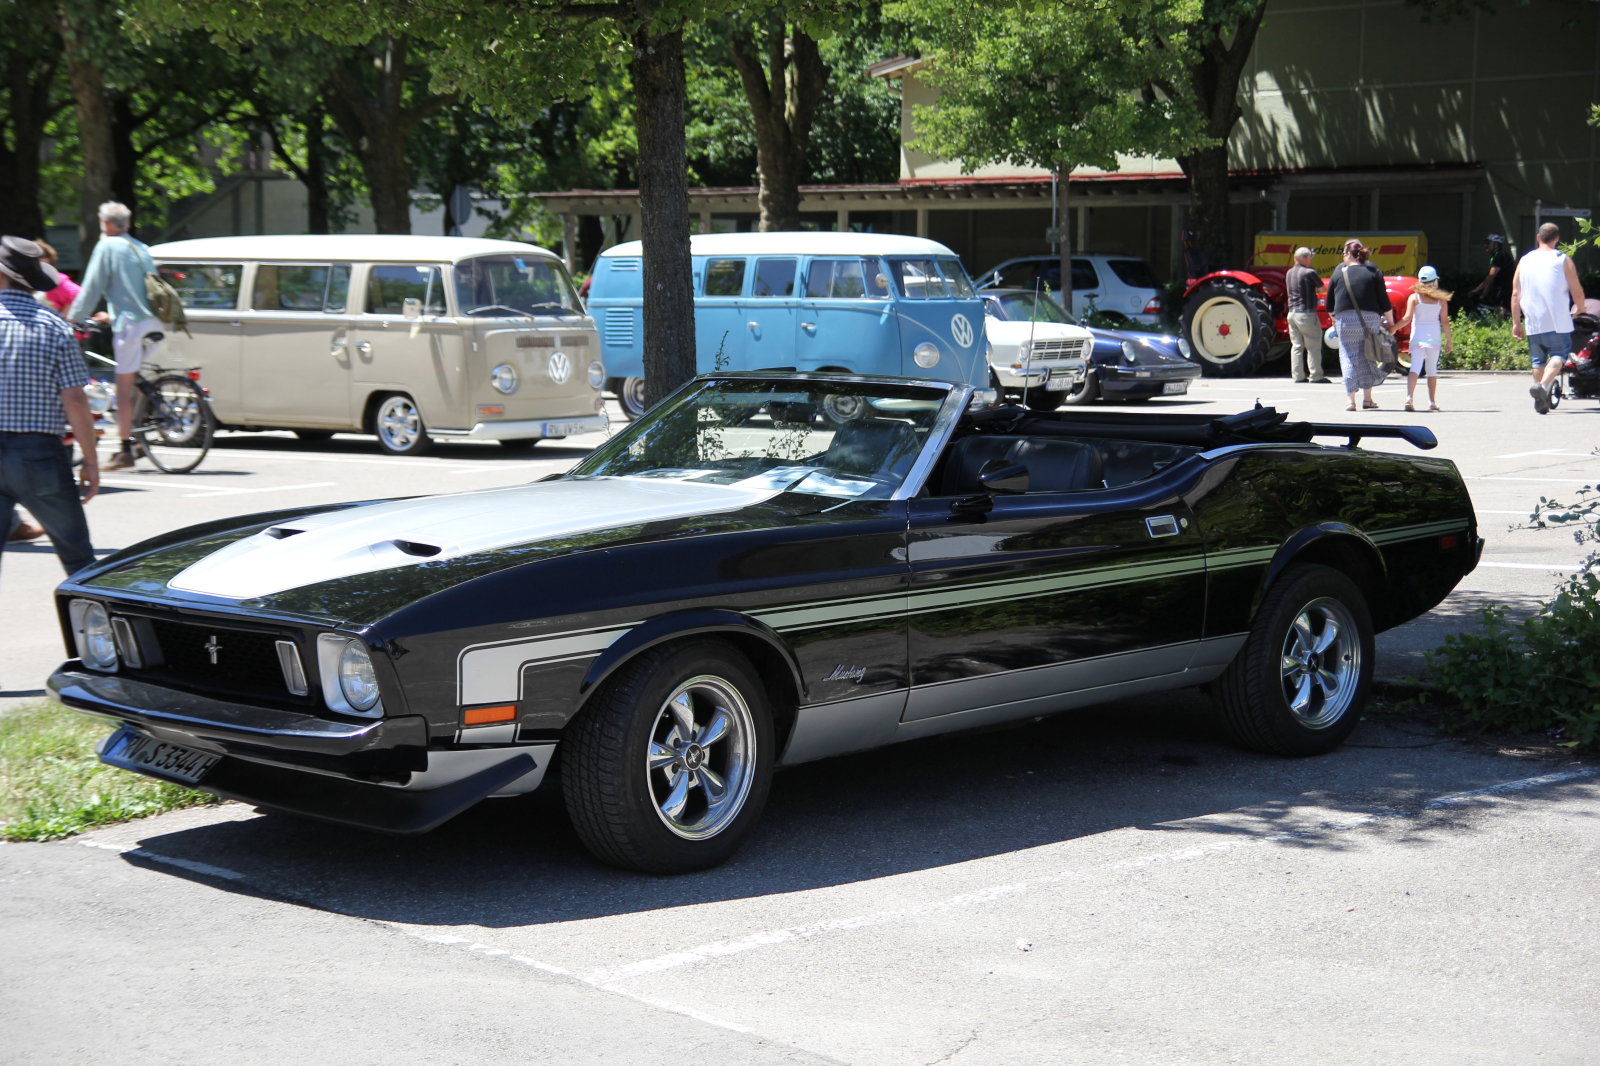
x=408 y=338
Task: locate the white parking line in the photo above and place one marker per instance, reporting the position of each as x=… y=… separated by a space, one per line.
x=1532 y=566
x=136 y=851
x=1546 y=480
x=269 y=488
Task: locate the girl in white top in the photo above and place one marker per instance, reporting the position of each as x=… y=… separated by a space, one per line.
x=1428 y=315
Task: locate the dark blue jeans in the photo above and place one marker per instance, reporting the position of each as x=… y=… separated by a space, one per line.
x=36 y=471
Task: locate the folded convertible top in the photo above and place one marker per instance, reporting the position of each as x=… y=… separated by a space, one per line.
x=1260 y=425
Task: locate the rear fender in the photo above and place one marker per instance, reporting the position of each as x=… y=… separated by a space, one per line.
x=1335 y=544
x=1237 y=275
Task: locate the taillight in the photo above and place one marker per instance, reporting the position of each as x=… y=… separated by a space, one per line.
x=1153 y=307
x=194 y=375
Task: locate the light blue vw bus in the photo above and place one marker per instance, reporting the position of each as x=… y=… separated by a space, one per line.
x=865 y=303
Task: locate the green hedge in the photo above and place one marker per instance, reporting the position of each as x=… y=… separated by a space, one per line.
x=1484 y=344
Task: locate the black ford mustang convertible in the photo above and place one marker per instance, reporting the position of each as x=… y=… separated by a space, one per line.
x=766 y=569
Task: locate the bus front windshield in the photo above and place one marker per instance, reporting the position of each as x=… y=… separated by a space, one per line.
x=515 y=285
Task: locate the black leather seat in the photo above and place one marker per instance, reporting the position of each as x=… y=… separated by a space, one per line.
x=870 y=447
x=1053 y=465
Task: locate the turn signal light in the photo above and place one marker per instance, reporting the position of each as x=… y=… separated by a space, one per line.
x=485 y=715
x=491 y=410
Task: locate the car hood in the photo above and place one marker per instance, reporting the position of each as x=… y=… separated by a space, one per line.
x=401 y=533
x=1154 y=348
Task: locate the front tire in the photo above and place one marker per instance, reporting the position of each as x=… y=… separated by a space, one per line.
x=667 y=768
x=1086 y=392
x=630 y=396
x=1299 y=684
x=1230 y=327
x=397 y=422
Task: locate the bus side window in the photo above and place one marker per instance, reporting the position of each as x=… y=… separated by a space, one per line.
x=775 y=277
x=725 y=277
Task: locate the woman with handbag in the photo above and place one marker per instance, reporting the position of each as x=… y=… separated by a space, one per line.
x=1362 y=312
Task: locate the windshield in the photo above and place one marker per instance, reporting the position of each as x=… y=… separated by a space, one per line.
x=515 y=285
x=1034 y=307
x=846 y=440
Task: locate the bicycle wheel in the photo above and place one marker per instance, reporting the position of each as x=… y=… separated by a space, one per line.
x=175 y=432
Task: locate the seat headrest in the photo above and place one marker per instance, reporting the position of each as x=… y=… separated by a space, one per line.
x=869 y=446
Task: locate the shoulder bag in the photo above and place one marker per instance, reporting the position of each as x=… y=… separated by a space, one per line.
x=1378 y=346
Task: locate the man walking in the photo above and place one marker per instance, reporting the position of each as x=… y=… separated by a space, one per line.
x=1495 y=288
x=1544 y=292
x=1305 y=328
x=41 y=390
x=116 y=272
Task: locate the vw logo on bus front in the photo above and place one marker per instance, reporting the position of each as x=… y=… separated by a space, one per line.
x=961 y=331
x=560 y=367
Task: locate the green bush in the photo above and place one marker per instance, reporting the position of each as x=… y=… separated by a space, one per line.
x=52 y=784
x=1484 y=344
x=1542 y=673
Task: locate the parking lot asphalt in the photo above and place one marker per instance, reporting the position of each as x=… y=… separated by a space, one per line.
x=1111 y=885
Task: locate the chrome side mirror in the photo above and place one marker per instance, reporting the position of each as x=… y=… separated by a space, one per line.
x=412 y=307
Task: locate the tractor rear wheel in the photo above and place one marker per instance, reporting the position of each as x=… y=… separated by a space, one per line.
x=1230 y=327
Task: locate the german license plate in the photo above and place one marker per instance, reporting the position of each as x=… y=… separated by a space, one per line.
x=562 y=429
x=1175 y=388
x=1058 y=382
x=135 y=751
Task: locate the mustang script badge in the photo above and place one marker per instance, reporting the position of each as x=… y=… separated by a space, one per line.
x=847 y=673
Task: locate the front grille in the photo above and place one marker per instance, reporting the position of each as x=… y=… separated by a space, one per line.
x=619 y=327
x=1068 y=348
x=246 y=662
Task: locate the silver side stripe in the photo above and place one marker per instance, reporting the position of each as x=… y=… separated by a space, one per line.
x=492 y=673
x=1432 y=529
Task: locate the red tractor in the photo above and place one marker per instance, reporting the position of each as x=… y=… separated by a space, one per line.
x=1235 y=321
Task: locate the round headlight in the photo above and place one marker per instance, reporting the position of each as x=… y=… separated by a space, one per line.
x=1023 y=349
x=1183 y=347
x=504 y=378
x=597 y=374
x=357 y=680
x=99 y=646
x=1129 y=352
x=926 y=355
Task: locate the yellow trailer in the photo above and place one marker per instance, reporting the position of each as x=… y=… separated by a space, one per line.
x=1398 y=253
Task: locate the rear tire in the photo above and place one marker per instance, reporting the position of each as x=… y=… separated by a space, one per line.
x=1285 y=695
x=175 y=424
x=397 y=423
x=1231 y=328
x=635 y=786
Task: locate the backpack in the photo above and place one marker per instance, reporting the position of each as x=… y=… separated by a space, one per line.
x=165 y=303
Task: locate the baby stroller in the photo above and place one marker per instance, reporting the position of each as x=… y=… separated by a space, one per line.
x=1580 y=377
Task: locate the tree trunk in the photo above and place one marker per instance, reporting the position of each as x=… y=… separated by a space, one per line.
x=315 y=178
x=376 y=123
x=1065 y=222
x=1214 y=81
x=125 y=157
x=659 y=94
x=783 y=98
x=96 y=146
x=29 y=80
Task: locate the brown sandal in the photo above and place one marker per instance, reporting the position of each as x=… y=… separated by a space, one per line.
x=1369 y=407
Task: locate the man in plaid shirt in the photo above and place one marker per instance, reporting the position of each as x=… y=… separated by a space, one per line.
x=41 y=390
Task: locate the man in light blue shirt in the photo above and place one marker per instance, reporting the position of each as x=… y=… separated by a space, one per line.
x=116 y=272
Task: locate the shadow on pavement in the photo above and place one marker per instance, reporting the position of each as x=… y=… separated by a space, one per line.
x=367 y=447
x=930 y=803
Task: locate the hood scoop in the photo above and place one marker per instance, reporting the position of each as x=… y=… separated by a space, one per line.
x=363 y=540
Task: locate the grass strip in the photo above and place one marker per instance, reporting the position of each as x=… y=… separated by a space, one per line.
x=52 y=785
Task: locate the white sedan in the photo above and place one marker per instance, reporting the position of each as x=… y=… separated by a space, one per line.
x=1033 y=354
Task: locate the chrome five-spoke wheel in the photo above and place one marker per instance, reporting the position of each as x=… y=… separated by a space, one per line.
x=1300 y=679
x=1321 y=663
x=699 y=757
x=398 y=425
x=667 y=766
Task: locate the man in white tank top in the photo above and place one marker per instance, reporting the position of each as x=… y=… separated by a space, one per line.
x=1544 y=292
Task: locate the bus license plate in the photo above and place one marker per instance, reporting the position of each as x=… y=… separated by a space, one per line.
x=135 y=751
x=1178 y=388
x=562 y=429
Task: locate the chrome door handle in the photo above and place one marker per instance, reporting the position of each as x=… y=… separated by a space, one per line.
x=236 y=323
x=808 y=325
x=340 y=344
x=365 y=347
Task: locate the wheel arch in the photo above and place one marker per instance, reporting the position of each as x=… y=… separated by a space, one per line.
x=1337 y=545
x=773 y=661
x=1244 y=276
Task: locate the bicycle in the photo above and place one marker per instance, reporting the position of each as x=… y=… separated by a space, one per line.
x=172 y=420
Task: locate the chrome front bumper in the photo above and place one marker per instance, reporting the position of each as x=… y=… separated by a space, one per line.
x=535 y=428
x=1036 y=377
